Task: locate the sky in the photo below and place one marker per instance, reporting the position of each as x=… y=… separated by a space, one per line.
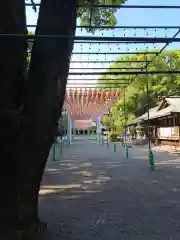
x=125 y=17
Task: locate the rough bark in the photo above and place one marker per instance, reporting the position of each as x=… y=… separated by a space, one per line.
x=13 y=53
x=45 y=92
x=30 y=107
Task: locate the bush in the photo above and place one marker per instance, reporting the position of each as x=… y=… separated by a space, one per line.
x=114 y=137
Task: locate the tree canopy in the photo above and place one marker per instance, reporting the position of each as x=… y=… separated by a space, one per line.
x=96 y=16
x=136 y=92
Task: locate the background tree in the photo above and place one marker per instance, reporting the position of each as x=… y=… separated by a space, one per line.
x=63 y=124
x=136 y=98
x=31 y=100
x=93 y=16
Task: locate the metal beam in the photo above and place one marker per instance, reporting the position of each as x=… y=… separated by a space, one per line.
x=117 y=6
x=98 y=42
x=119 y=27
x=107 y=42
x=113 y=61
x=94 y=87
x=113 y=53
x=126 y=73
x=86 y=79
x=97 y=38
x=95 y=68
x=110 y=83
x=129 y=6
x=163 y=48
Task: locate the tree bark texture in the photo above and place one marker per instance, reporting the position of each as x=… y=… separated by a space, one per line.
x=45 y=92
x=36 y=98
x=13 y=53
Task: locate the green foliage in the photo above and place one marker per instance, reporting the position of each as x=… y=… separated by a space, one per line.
x=93 y=16
x=28 y=58
x=136 y=94
x=63 y=121
x=114 y=137
x=106 y=121
x=30 y=33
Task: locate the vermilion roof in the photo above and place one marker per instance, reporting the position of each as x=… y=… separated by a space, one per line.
x=86 y=104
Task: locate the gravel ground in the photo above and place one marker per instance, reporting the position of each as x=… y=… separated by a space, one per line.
x=94 y=193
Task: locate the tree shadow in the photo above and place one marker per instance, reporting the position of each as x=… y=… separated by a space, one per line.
x=83 y=198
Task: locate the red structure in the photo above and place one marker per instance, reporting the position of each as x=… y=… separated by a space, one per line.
x=88 y=104
x=84 y=124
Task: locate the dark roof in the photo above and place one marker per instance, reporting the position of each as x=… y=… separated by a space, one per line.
x=142 y=118
x=156 y=112
x=174 y=107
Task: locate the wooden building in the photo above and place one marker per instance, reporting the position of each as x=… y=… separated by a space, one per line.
x=164 y=122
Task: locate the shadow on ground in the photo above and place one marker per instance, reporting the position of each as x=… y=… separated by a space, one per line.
x=103 y=196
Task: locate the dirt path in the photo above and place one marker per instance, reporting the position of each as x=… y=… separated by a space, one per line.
x=93 y=193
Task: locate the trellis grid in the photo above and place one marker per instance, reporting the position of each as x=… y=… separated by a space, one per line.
x=94 y=53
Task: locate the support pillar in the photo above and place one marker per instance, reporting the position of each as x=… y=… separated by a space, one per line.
x=69 y=129
x=151 y=162
x=99 y=130
x=54 y=152
x=126 y=149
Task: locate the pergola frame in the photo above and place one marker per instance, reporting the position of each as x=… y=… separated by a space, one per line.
x=119 y=40
x=116 y=40
x=117 y=6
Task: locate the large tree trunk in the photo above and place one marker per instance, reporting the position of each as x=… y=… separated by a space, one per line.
x=26 y=141
x=45 y=91
x=13 y=53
